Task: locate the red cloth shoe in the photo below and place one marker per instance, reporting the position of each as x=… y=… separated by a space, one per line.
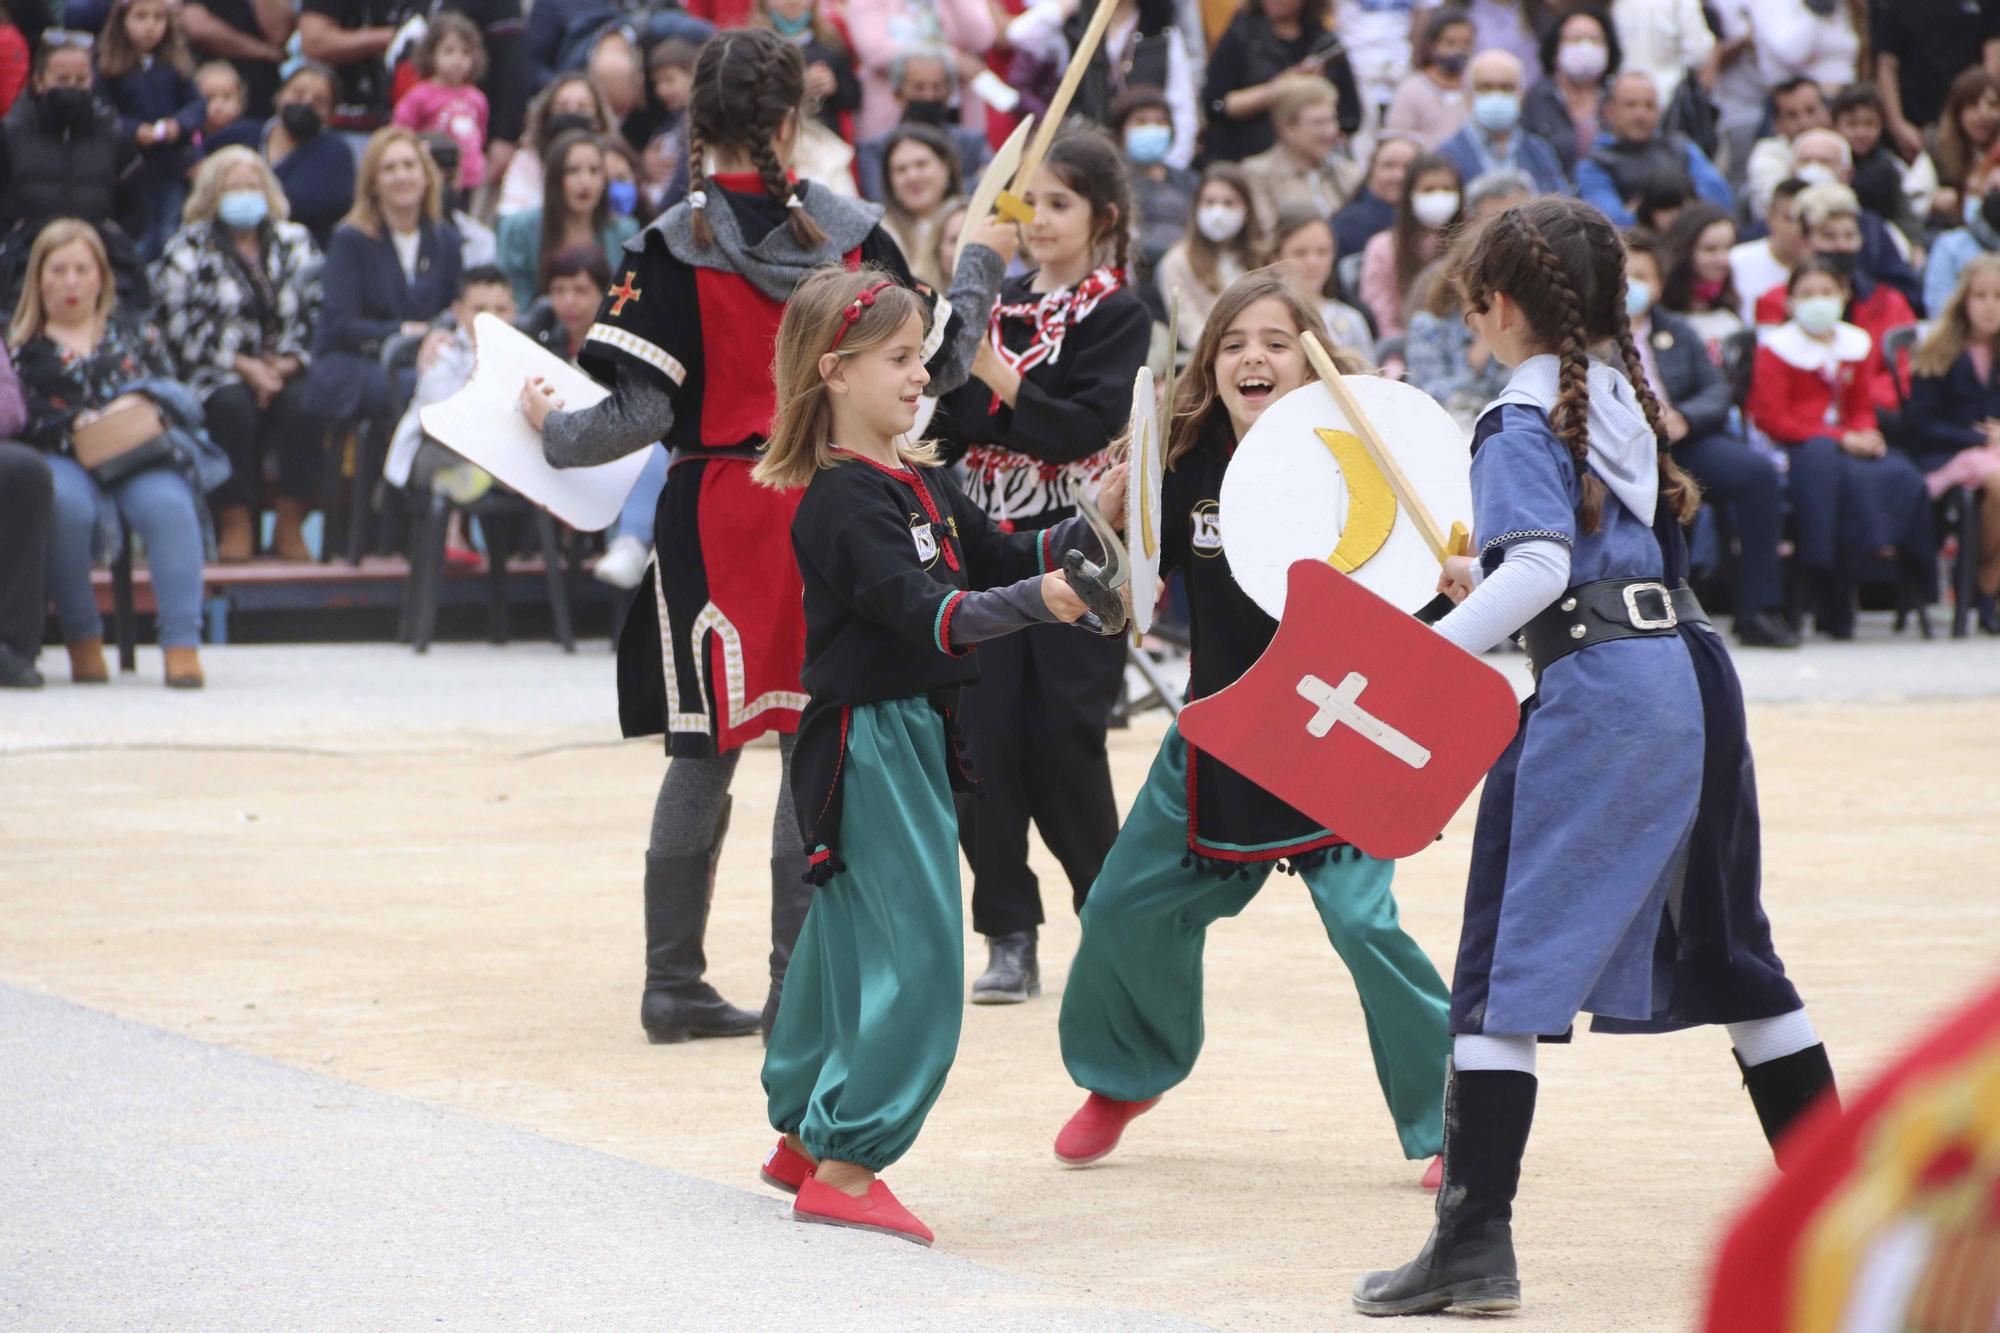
x=784 y=1169
x=878 y=1212
x=1094 y=1130
x=1433 y=1174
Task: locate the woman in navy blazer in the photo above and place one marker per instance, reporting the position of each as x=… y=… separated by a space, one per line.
x=391 y=268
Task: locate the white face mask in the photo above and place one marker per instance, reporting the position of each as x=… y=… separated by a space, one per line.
x=1583 y=61
x=1219 y=222
x=1817 y=314
x=1817 y=173
x=1434 y=208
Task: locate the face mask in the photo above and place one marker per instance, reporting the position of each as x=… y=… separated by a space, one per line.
x=68 y=107
x=243 y=209
x=563 y=122
x=1434 y=208
x=1498 y=112
x=300 y=120
x=623 y=196
x=1219 y=222
x=1453 y=63
x=1817 y=173
x=1582 y=61
x=927 y=112
x=1841 y=261
x=1638 y=299
x=1147 y=144
x=791 y=27
x=1817 y=314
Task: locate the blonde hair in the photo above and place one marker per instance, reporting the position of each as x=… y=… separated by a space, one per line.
x=801 y=438
x=29 y=316
x=1817 y=203
x=206 y=195
x=1294 y=93
x=1952 y=333
x=366 y=214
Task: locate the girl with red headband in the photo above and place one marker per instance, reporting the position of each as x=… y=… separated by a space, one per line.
x=903 y=577
x=710 y=650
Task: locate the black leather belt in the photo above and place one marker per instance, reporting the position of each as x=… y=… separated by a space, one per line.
x=1605 y=611
x=675 y=457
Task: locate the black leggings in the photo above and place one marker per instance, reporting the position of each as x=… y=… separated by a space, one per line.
x=246 y=433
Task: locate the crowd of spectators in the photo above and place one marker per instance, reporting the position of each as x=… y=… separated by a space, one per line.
x=258 y=217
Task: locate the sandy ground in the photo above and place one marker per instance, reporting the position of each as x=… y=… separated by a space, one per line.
x=454 y=915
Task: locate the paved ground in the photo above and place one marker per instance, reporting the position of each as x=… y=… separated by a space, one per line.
x=395 y=901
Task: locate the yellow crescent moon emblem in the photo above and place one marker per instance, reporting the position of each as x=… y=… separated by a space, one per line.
x=1371 y=505
x=1142 y=459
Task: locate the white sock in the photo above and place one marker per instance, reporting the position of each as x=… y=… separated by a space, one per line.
x=1762 y=1040
x=1470 y=1051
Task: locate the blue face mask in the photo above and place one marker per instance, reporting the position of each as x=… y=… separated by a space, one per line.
x=791 y=27
x=1496 y=112
x=623 y=196
x=1638 y=299
x=1147 y=144
x=243 y=209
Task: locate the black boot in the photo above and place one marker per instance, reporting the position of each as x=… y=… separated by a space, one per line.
x=791 y=896
x=1012 y=973
x=1468 y=1262
x=1989 y=615
x=1765 y=629
x=1836 y=611
x=1784 y=1089
x=678 y=1004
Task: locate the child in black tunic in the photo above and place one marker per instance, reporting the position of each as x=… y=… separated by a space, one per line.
x=903 y=576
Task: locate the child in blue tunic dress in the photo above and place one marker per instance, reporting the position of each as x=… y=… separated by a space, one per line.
x=1615 y=862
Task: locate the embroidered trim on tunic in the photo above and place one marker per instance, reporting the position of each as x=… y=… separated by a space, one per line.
x=941 y=626
x=740 y=710
x=633 y=345
x=1537 y=534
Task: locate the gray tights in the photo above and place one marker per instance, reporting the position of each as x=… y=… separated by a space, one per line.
x=690 y=803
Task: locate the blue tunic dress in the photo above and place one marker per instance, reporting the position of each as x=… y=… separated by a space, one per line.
x=1583 y=829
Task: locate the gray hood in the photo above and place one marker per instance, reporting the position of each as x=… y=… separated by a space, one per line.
x=1623 y=449
x=774 y=265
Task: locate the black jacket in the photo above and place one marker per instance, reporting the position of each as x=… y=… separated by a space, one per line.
x=1695 y=386
x=1938 y=421
x=49 y=172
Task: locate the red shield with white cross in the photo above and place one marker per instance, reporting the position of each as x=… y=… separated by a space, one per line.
x=1359 y=716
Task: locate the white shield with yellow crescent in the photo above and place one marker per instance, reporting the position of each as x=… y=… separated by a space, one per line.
x=1301 y=486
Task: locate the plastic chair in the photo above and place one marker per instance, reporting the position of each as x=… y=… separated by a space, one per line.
x=496 y=509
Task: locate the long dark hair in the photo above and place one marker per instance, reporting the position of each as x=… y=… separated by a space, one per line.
x=1405 y=230
x=1562 y=262
x=746 y=81
x=1677 y=283
x=555 y=207
x=933 y=138
x=1085 y=159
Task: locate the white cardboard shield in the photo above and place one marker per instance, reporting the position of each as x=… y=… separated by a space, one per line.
x=1142 y=499
x=483 y=422
x=1286 y=495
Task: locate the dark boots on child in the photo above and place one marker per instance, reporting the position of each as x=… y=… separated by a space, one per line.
x=1468 y=1262
x=1013 y=974
x=1783 y=1089
x=678 y=1004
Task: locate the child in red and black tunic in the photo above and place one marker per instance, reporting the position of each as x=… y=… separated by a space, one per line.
x=710 y=651
x=903 y=576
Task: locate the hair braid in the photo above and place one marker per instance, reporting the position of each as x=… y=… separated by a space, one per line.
x=1571 y=415
x=704 y=235
x=1680 y=491
x=805 y=232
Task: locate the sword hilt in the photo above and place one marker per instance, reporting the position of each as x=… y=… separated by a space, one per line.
x=1086 y=579
x=1014 y=208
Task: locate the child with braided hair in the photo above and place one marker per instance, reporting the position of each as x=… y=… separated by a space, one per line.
x=1615 y=860
x=711 y=649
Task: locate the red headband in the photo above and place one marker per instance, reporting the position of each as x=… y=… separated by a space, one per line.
x=850 y=316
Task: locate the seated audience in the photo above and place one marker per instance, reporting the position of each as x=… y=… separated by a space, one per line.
x=145 y=71
x=248 y=38
x=1493 y=139
x=1824 y=158
x=26 y=498
x=962 y=31
x=576 y=210
x=1797 y=105
x=1442 y=356
x=1580 y=54
x=1952 y=423
x=417 y=461
x=86 y=370
x=570 y=103
x=830 y=79
x=1877 y=178
x=1222 y=243
x=1302 y=167
x=1979 y=234
x=62 y=153
x=223 y=124
x=1755 y=267
x=1162 y=194
x=1431 y=101
x=1700 y=284
x=1633 y=154
x=1266 y=41
x=1831 y=219
x=923 y=85
x=923 y=175
x=1425 y=221
x=452 y=59
x=316 y=168
x=1374 y=208
x=234 y=308
x=1302 y=246
x=1695 y=402
x=1964 y=134
x=1813 y=390
x=390 y=270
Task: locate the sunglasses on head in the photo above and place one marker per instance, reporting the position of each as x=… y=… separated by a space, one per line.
x=68 y=37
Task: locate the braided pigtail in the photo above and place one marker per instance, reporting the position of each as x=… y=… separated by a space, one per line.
x=1087 y=160
x=704 y=235
x=1677 y=489
x=1571 y=416
x=805 y=232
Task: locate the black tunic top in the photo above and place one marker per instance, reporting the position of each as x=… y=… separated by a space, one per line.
x=887 y=554
x=1230 y=818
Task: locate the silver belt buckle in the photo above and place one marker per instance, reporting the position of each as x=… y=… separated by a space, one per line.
x=1638 y=619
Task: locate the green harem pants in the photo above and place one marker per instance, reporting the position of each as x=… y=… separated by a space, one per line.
x=1131 y=1015
x=869 y=1022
